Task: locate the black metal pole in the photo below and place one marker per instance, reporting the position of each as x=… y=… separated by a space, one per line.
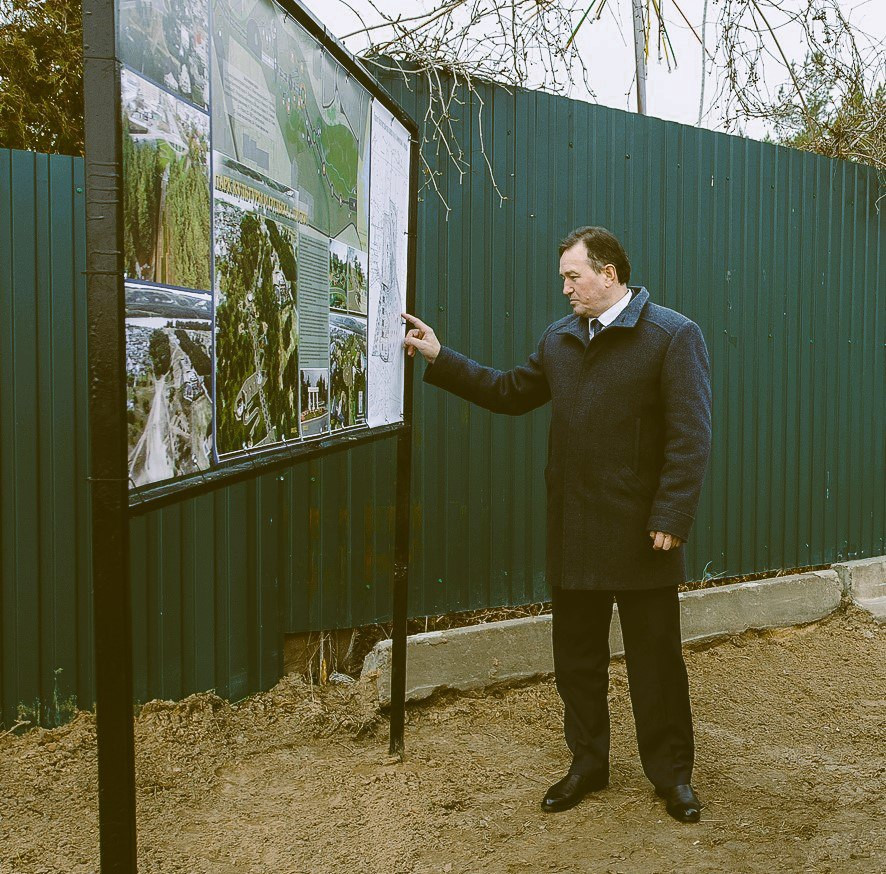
x=107 y=424
x=404 y=492
x=401 y=586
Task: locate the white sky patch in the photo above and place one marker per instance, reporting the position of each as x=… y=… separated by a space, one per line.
x=607 y=48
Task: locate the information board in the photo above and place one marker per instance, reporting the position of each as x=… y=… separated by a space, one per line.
x=266 y=206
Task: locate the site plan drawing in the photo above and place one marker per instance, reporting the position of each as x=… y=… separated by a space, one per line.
x=389 y=211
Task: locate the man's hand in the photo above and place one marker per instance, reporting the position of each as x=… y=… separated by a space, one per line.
x=421 y=337
x=663 y=540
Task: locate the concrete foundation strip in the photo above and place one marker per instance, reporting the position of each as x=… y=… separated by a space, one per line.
x=495 y=652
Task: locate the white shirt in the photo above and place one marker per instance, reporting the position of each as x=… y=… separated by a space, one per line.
x=614 y=311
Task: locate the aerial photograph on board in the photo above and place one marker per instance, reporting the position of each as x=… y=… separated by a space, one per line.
x=256 y=351
x=168 y=41
x=166 y=211
x=168 y=381
x=284 y=107
x=348 y=269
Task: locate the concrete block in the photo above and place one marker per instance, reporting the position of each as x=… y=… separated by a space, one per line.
x=774 y=602
x=863 y=579
x=515 y=649
x=466 y=658
x=876 y=607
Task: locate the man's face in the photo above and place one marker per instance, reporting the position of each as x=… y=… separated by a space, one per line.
x=589 y=292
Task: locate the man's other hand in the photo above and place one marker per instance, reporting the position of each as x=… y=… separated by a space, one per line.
x=421 y=337
x=663 y=540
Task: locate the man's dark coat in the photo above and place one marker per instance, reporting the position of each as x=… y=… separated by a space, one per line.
x=628 y=444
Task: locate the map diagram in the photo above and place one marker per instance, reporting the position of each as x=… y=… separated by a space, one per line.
x=286 y=108
x=389 y=216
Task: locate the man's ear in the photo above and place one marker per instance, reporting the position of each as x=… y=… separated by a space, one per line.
x=611 y=273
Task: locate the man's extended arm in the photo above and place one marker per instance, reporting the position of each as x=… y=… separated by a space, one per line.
x=686 y=396
x=513 y=391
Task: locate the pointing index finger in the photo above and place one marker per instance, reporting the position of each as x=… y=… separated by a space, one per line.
x=416 y=321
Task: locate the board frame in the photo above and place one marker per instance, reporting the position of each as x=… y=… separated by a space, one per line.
x=249 y=464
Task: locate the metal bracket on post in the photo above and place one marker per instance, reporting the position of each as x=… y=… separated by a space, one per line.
x=109 y=486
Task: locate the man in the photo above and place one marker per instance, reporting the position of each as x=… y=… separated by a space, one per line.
x=630 y=433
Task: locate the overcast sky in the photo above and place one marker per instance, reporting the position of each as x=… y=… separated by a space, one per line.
x=607 y=47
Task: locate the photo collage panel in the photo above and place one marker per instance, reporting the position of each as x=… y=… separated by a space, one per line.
x=255 y=315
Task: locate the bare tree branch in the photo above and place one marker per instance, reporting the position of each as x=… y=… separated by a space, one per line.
x=827 y=105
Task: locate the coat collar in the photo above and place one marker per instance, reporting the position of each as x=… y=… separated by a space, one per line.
x=627 y=318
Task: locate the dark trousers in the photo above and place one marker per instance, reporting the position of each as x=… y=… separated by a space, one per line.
x=650 y=625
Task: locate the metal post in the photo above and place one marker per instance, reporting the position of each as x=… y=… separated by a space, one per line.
x=640 y=54
x=404 y=493
x=107 y=422
x=401 y=588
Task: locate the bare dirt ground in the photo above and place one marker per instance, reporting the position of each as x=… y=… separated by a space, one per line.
x=790 y=767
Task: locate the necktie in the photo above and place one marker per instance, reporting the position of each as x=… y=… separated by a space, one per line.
x=594 y=328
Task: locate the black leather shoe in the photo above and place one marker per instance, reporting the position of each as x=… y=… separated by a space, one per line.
x=570 y=790
x=681 y=802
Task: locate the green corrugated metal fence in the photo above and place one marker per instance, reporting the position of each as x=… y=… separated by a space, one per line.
x=777 y=254
x=45 y=604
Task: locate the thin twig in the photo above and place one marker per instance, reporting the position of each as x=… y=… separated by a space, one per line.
x=19 y=724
